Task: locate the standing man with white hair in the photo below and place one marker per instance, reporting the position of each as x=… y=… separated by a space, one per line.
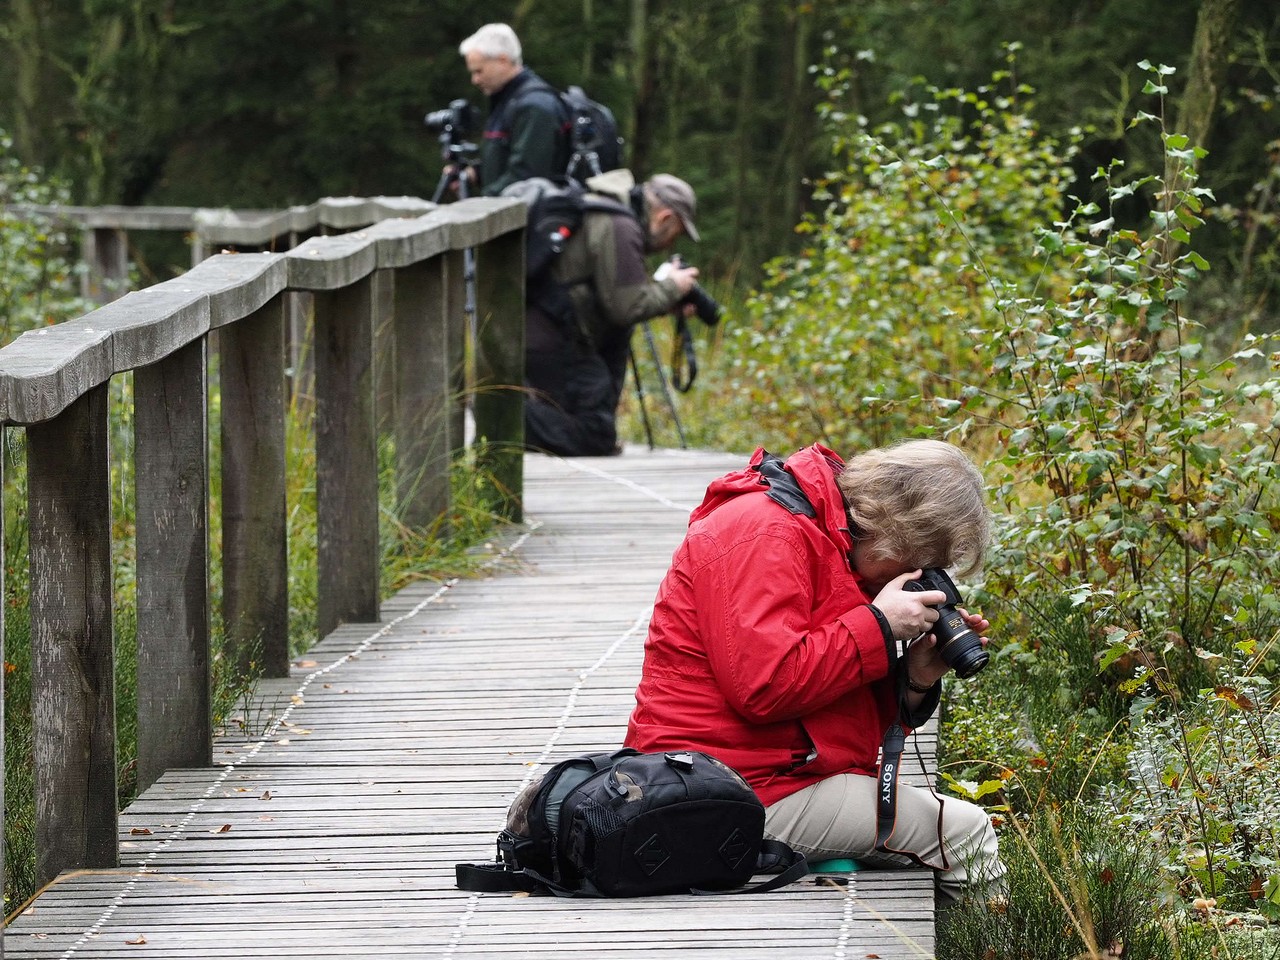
x=526 y=134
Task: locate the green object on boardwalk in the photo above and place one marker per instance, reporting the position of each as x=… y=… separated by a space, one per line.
x=834 y=866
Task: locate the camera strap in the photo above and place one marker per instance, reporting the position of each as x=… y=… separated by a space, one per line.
x=887 y=800
x=683 y=350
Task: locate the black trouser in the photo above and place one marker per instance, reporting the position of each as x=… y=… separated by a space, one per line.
x=572 y=403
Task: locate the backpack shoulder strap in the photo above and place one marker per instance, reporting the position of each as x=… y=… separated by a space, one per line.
x=595 y=203
x=493 y=877
x=774 y=855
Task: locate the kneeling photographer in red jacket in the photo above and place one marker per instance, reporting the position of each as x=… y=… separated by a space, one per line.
x=794 y=631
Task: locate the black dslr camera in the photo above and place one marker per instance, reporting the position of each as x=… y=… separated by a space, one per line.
x=452 y=125
x=959 y=646
x=455 y=121
x=705 y=305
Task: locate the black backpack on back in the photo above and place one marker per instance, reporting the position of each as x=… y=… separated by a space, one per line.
x=556 y=211
x=630 y=824
x=594 y=142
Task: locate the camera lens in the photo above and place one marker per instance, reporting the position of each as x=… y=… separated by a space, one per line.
x=960 y=647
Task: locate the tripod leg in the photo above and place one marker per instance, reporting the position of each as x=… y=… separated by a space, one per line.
x=644 y=413
x=446 y=178
x=666 y=390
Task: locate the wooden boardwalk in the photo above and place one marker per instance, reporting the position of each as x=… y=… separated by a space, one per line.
x=331 y=825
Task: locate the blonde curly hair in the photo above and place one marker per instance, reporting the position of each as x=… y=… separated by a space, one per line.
x=920 y=502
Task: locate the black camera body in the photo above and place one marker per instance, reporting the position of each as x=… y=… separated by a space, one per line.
x=456 y=120
x=960 y=648
x=707 y=308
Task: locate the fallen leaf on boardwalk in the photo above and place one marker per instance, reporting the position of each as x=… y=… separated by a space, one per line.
x=873 y=956
x=266 y=819
x=521 y=893
x=307 y=663
x=267 y=795
x=222 y=829
x=138 y=942
x=296 y=700
x=39 y=936
x=284 y=742
x=140 y=832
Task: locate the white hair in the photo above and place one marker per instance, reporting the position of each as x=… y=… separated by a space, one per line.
x=493 y=40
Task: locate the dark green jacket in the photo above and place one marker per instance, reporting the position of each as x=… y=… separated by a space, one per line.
x=525 y=136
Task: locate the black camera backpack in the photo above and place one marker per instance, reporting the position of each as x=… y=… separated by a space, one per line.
x=556 y=211
x=630 y=824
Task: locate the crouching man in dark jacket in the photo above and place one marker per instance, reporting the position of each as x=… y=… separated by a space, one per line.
x=575 y=366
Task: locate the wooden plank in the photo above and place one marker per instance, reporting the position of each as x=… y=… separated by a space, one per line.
x=255 y=569
x=499 y=389
x=422 y=393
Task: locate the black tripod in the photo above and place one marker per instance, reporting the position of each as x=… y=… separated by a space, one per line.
x=662 y=381
x=460 y=157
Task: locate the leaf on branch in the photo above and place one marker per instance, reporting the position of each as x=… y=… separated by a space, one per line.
x=1235 y=698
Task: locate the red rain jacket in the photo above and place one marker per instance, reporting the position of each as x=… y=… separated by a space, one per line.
x=762 y=650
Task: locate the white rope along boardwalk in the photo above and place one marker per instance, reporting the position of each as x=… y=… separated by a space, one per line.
x=330 y=826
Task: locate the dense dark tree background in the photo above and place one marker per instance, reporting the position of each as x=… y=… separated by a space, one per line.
x=262 y=103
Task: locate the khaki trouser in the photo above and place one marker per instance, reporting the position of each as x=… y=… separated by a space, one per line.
x=836 y=818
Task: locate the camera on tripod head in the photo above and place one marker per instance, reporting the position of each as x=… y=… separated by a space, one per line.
x=452 y=124
x=706 y=306
x=454 y=121
x=960 y=648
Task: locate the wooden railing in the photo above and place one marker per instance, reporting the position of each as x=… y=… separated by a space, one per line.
x=54 y=383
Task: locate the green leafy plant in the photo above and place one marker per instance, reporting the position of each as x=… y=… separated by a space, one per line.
x=1204 y=776
x=844 y=341
x=1078 y=888
x=38 y=279
x=1141 y=473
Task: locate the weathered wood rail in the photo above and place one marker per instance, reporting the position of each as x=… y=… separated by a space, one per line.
x=54 y=382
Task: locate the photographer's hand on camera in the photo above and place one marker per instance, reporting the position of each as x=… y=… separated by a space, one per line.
x=911 y=614
x=685 y=279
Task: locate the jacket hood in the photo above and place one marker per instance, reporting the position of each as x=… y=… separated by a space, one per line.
x=811 y=472
x=613 y=183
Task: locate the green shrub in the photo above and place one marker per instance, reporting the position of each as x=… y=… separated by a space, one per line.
x=39 y=280
x=1205 y=783
x=1140 y=473
x=851 y=341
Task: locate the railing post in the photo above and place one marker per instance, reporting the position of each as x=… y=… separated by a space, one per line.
x=3 y=605
x=69 y=507
x=346 y=457
x=106 y=257
x=255 y=570
x=499 y=396
x=422 y=392
x=175 y=727
x=384 y=348
x=455 y=333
